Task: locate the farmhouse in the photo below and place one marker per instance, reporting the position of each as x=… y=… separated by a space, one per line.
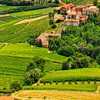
x=75 y=15
x=44 y=38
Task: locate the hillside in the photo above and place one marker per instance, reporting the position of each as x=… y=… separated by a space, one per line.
x=70 y=61
x=14 y=59
x=21 y=33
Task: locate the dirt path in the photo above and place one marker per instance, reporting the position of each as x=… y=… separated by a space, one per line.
x=5 y=15
x=31 y=20
x=56 y=95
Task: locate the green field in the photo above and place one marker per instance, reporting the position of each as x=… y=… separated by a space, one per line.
x=61 y=86
x=15 y=57
x=85 y=74
x=5 y=8
x=21 y=33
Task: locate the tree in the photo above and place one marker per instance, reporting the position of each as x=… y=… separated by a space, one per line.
x=40 y=62
x=82 y=62
x=66 y=51
x=54 y=43
x=15 y=86
x=98 y=59
x=32 y=76
x=95 y=2
x=96 y=52
x=31 y=66
x=37 y=63
x=68 y=64
x=65 y=66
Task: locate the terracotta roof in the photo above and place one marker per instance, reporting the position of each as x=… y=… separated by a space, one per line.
x=70 y=5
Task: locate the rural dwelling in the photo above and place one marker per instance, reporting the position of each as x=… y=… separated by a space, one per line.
x=92 y=10
x=44 y=37
x=75 y=15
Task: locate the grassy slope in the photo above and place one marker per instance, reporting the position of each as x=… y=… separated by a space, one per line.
x=15 y=57
x=5 y=8
x=61 y=86
x=77 y=74
x=20 y=33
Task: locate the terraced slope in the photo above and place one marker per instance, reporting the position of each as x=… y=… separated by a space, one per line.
x=10 y=32
x=15 y=57
x=85 y=74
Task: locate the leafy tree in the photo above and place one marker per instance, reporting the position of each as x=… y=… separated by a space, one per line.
x=96 y=52
x=54 y=43
x=31 y=66
x=95 y=2
x=66 y=51
x=67 y=64
x=98 y=59
x=37 y=63
x=32 y=76
x=82 y=62
x=40 y=62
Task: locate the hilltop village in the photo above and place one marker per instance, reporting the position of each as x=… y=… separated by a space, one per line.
x=69 y=15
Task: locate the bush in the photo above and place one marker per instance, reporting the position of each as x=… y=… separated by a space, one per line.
x=15 y=86
x=65 y=66
x=32 y=76
x=98 y=59
x=66 y=51
x=37 y=63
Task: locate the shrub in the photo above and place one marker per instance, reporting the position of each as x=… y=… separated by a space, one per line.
x=66 y=51
x=98 y=59
x=37 y=63
x=32 y=76
x=15 y=86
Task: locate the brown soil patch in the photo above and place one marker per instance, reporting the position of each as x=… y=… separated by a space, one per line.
x=6 y=98
x=57 y=95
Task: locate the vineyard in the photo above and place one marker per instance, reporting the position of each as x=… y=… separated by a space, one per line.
x=63 y=86
x=21 y=33
x=69 y=69
x=85 y=74
x=15 y=57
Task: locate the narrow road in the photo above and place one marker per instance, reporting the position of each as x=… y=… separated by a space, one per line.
x=4 y=15
x=31 y=20
x=98 y=89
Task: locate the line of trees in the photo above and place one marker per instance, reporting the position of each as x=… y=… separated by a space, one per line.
x=24 y=2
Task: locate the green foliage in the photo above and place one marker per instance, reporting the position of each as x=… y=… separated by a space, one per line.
x=14 y=59
x=15 y=86
x=83 y=40
x=95 y=2
x=98 y=59
x=32 y=76
x=66 y=51
x=37 y=63
x=53 y=43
